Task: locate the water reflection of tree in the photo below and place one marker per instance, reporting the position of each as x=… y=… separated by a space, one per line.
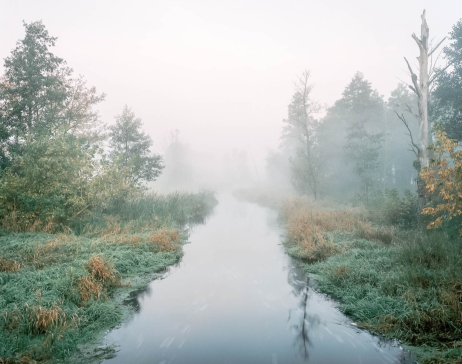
x=301 y=289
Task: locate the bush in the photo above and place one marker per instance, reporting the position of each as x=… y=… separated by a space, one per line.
x=388 y=208
x=55 y=182
x=444 y=182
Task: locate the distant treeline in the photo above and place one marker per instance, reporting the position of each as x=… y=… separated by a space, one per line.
x=361 y=144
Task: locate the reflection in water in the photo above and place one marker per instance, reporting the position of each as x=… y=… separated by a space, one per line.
x=307 y=321
x=237 y=297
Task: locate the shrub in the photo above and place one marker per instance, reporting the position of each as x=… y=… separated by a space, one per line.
x=444 y=181
x=54 y=182
x=388 y=208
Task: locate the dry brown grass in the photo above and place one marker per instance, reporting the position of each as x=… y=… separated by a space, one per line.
x=9 y=265
x=116 y=231
x=101 y=276
x=38 y=319
x=307 y=227
x=26 y=223
x=51 y=246
x=101 y=270
x=43 y=319
x=89 y=288
x=165 y=240
x=23 y=360
x=342 y=270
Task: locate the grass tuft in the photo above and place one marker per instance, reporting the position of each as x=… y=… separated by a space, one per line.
x=9 y=265
x=165 y=240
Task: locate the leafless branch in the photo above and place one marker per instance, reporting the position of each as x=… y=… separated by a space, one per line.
x=414 y=79
x=415 y=147
x=434 y=49
x=417 y=40
x=435 y=76
x=409 y=110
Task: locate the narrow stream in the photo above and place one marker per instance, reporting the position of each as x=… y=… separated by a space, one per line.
x=236 y=297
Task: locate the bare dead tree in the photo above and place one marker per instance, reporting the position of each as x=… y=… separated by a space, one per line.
x=420 y=86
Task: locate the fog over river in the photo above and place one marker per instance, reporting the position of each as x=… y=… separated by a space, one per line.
x=236 y=297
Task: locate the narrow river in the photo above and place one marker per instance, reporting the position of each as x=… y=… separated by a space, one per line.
x=236 y=297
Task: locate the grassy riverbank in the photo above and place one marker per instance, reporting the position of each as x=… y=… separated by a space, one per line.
x=59 y=292
x=392 y=279
x=406 y=284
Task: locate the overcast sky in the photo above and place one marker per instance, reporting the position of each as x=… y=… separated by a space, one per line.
x=222 y=72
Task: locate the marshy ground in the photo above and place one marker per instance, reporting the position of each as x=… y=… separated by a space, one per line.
x=394 y=280
x=60 y=291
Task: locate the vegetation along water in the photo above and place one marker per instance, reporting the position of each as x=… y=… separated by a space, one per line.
x=368 y=192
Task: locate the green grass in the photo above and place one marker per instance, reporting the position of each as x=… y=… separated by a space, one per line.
x=410 y=290
x=387 y=274
x=43 y=316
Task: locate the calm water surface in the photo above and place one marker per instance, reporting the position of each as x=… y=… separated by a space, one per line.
x=236 y=297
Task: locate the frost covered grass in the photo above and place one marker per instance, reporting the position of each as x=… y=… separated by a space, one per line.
x=61 y=291
x=406 y=284
x=309 y=228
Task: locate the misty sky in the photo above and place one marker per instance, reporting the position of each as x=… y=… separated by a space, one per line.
x=222 y=72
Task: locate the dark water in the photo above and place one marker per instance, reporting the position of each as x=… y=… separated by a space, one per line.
x=236 y=297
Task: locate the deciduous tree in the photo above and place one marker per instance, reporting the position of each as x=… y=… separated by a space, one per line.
x=300 y=131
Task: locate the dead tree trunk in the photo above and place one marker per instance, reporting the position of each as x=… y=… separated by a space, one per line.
x=420 y=87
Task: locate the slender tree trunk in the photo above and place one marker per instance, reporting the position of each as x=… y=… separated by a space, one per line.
x=420 y=86
x=423 y=85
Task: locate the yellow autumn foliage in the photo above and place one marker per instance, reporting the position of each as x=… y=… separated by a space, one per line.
x=444 y=179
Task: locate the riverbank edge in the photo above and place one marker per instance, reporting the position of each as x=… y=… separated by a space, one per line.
x=96 y=350
x=320 y=282
x=352 y=251
x=89 y=346
x=332 y=263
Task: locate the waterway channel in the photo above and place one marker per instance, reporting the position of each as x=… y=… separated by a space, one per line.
x=236 y=297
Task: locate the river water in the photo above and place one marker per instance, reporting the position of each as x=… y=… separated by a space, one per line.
x=236 y=297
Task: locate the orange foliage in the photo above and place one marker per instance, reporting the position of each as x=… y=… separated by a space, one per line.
x=444 y=179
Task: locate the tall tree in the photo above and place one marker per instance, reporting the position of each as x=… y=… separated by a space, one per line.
x=33 y=84
x=399 y=173
x=130 y=148
x=300 y=131
x=177 y=156
x=363 y=149
x=420 y=86
x=38 y=96
x=447 y=96
x=360 y=107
